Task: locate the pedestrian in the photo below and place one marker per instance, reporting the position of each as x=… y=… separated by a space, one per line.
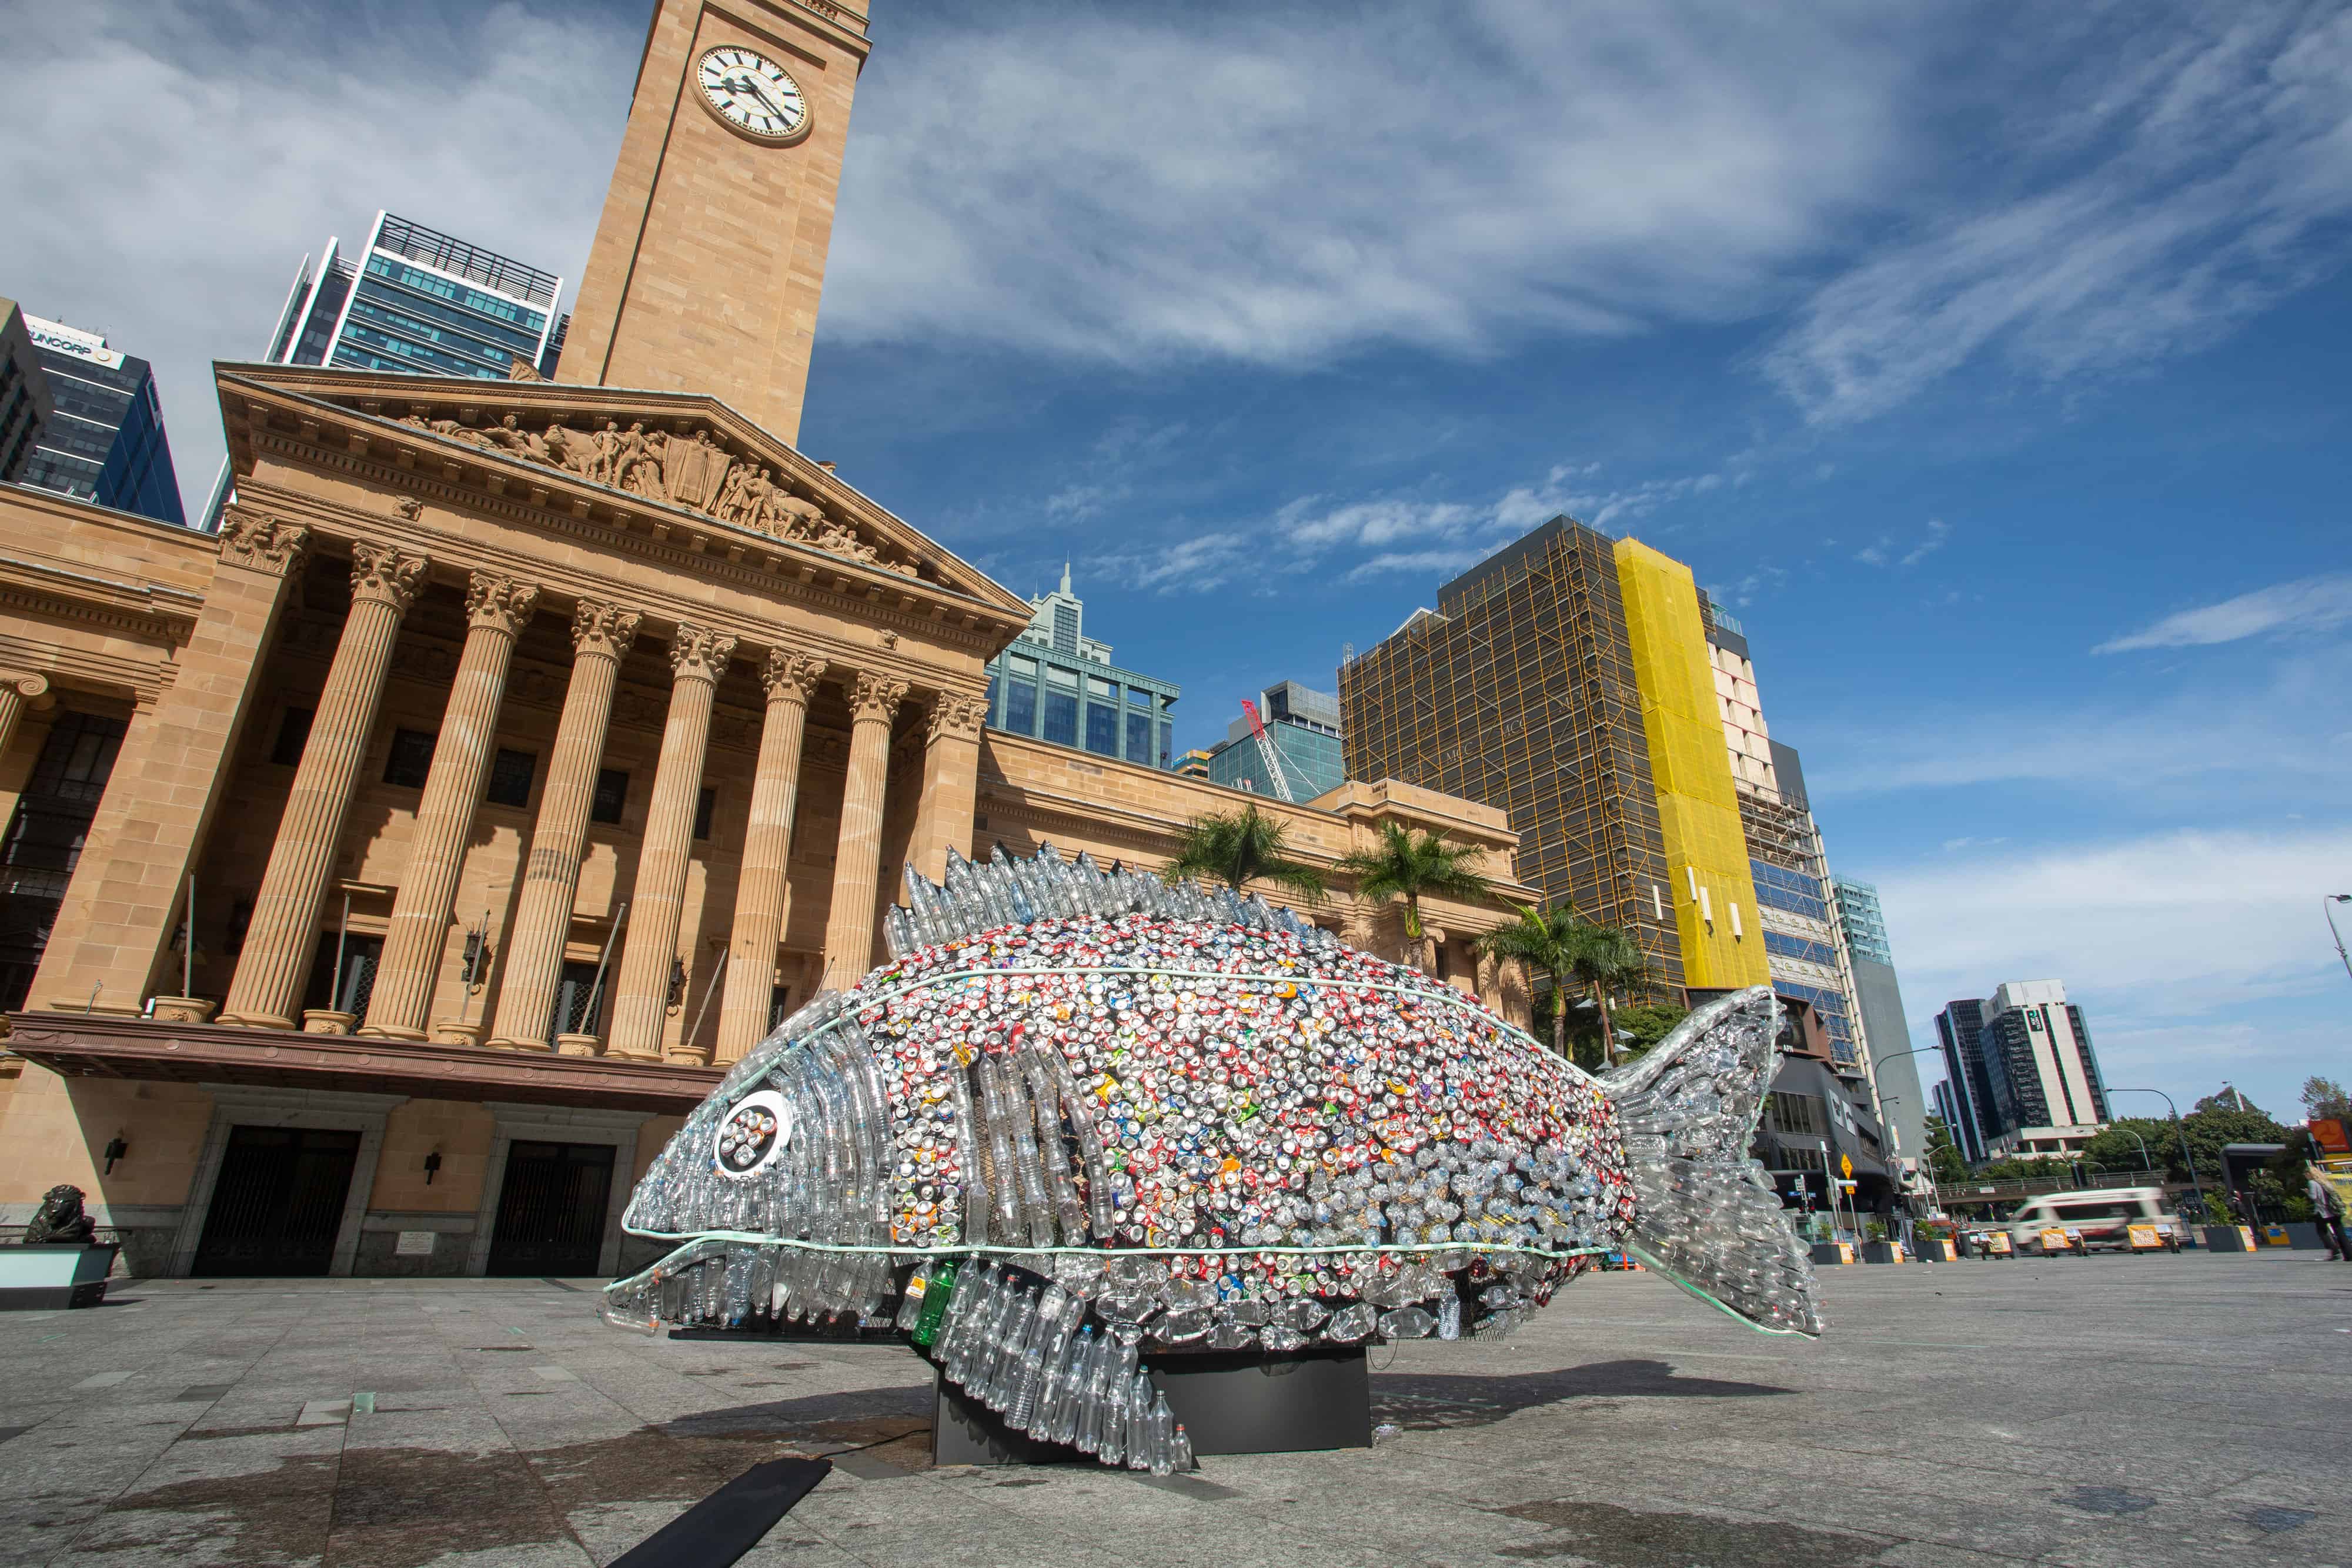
x=2327 y=1209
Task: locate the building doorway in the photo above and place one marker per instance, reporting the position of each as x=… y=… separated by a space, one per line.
x=278 y=1202
x=551 y=1209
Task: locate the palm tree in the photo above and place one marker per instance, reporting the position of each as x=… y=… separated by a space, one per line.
x=1238 y=848
x=1409 y=865
x=1562 y=943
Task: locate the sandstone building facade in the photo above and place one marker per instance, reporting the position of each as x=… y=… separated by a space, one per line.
x=386 y=875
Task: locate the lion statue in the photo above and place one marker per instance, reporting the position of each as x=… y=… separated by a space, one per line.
x=59 y=1221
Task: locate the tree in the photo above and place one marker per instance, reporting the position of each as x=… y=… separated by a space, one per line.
x=1648 y=1023
x=1944 y=1157
x=1543 y=940
x=1406 y=864
x=2325 y=1099
x=1557 y=942
x=1238 y=848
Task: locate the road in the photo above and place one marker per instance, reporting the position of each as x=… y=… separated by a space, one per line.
x=2113 y=1410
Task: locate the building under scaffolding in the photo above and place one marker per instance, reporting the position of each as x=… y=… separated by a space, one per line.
x=1518 y=690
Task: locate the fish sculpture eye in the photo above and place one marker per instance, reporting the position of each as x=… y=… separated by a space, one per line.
x=753 y=1135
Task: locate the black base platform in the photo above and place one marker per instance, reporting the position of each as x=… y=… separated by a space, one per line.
x=1237 y=1403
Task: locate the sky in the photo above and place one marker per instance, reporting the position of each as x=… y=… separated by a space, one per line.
x=1985 y=360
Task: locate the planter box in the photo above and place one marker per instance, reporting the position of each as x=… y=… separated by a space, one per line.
x=1881 y=1252
x=1832 y=1253
x=2228 y=1239
x=47 y=1277
x=1934 y=1251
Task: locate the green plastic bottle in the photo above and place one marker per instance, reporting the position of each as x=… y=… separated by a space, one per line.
x=936 y=1293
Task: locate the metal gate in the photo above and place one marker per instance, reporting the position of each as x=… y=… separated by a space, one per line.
x=551 y=1209
x=278 y=1202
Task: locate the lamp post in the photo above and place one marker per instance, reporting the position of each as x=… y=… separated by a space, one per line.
x=2327 y=901
x=2187 y=1159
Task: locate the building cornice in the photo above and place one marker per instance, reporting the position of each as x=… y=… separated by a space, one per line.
x=94 y=1045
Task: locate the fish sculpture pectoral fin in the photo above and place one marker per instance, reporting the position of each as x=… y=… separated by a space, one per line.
x=1707 y=1216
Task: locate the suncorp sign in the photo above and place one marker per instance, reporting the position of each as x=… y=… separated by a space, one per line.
x=65 y=340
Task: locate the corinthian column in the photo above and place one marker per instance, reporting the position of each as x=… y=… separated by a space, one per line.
x=697 y=659
x=18 y=692
x=497 y=610
x=791 y=679
x=849 y=925
x=950 y=781
x=277 y=946
x=601 y=638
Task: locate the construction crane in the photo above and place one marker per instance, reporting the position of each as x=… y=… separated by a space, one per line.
x=1269 y=756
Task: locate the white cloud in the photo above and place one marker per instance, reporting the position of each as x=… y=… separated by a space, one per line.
x=2270 y=737
x=1127 y=185
x=170 y=164
x=2194 y=954
x=2191 y=177
x=2308 y=604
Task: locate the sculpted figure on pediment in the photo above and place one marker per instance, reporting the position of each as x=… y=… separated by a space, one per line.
x=508 y=436
x=695 y=472
x=574 y=451
x=788 y=516
x=641 y=463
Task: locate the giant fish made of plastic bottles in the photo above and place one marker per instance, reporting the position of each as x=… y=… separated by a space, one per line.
x=1090 y=1110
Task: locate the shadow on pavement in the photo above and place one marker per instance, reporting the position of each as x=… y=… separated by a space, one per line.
x=1437 y=1401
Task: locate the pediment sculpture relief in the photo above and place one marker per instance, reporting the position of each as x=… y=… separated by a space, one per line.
x=690 y=471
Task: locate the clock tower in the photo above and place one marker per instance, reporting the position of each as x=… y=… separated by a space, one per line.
x=709 y=258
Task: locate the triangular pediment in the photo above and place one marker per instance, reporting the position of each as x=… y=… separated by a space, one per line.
x=685 y=457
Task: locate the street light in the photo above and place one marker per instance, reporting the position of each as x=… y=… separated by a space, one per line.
x=2187 y=1159
x=2326 y=900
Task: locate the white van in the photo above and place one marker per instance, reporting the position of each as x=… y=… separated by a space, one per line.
x=2101 y=1217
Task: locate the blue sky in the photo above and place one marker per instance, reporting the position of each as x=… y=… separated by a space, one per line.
x=1986 y=359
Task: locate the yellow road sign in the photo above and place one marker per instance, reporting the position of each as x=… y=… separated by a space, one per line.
x=1845 y=1165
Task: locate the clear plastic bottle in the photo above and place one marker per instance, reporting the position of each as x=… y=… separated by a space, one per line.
x=1069 y=1390
x=910 y=1304
x=1138 y=1422
x=1085 y=1414
x=1163 y=1436
x=1012 y=1334
x=1180 y=1450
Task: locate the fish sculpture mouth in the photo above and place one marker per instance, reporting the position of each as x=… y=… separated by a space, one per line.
x=1081 y=1116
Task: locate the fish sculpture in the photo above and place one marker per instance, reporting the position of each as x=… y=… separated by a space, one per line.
x=1083 y=1114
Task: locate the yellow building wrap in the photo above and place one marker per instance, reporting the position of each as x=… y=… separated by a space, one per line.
x=1698 y=813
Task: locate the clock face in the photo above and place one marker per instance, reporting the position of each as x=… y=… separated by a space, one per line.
x=752 y=93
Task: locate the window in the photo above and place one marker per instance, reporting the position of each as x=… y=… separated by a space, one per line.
x=1138 y=738
x=1102 y=690
x=510 y=777
x=1795 y=1115
x=611 y=794
x=1020 y=707
x=1061 y=718
x=293 y=734
x=1065 y=629
x=410 y=760
x=705 y=805
x=995 y=700
x=1102 y=730
x=1167 y=743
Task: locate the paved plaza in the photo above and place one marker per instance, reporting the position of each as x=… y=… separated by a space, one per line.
x=2113 y=1410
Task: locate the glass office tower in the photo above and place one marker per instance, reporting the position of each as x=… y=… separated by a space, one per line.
x=415 y=300
x=1303 y=725
x=103 y=438
x=1055 y=684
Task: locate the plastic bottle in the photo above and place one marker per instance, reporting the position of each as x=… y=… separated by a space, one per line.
x=1138 y=1422
x=1180 y=1450
x=940 y=1291
x=910 y=1304
x=1069 y=1393
x=1163 y=1436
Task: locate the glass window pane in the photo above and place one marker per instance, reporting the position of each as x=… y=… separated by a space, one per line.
x=1020 y=707
x=1102 y=730
x=1138 y=738
x=1061 y=718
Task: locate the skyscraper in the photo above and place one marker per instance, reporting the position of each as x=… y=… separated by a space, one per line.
x=103 y=439
x=1058 y=685
x=1885 y=1031
x=1302 y=725
x=1804 y=945
x=1959 y=1030
x=416 y=300
x=25 y=401
x=1520 y=690
x=2030 y=1076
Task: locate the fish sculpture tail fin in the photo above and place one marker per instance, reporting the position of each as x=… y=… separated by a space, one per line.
x=1707 y=1216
